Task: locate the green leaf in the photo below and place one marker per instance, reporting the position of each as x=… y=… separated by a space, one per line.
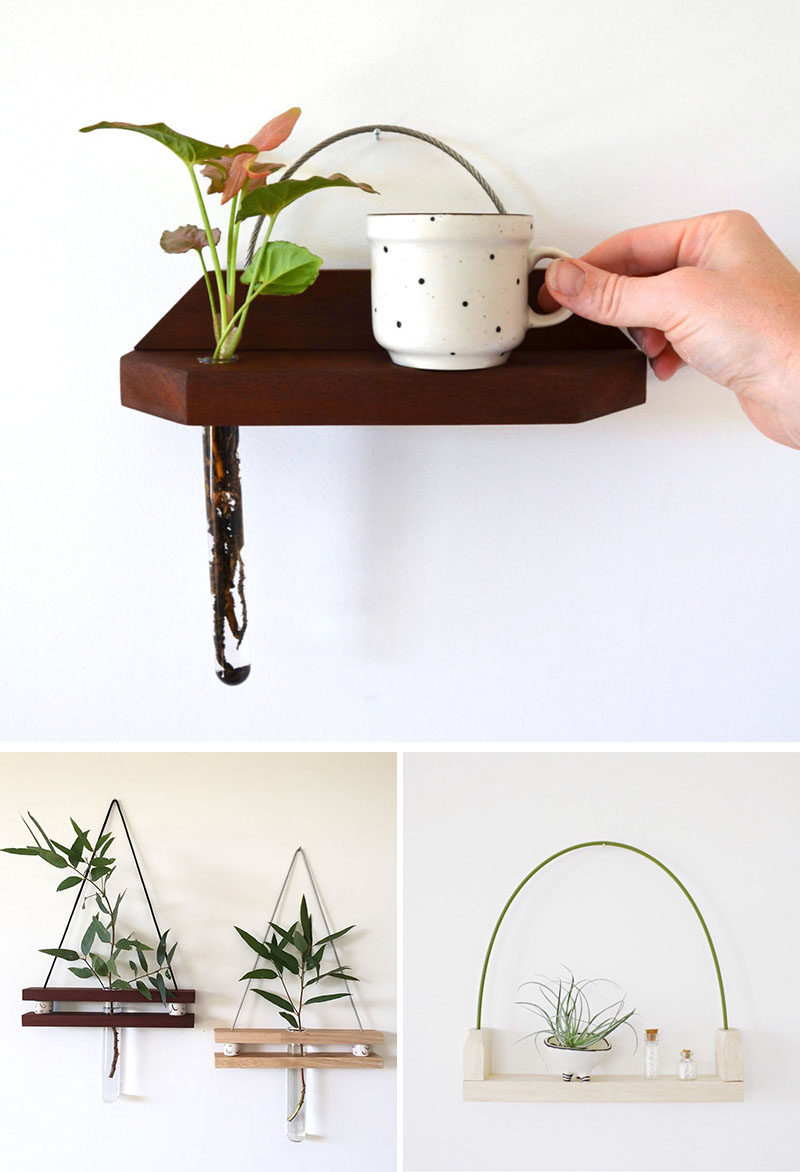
x=124 y=945
x=55 y=860
x=326 y=997
x=22 y=850
x=142 y=960
x=335 y=935
x=83 y=973
x=98 y=964
x=282 y=269
x=120 y=984
x=70 y=881
x=316 y=960
x=161 y=950
x=100 y=873
x=162 y=988
x=256 y=945
x=191 y=150
x=276 y=999
x=145 y=992
x=40 y=828
x=260 y=975
x=101 y=903
x=102 y=931
x=61 y=953
x=305 y=920
x=292 y=1020
x=171 y=953
x=271 y=199
x=89 y=935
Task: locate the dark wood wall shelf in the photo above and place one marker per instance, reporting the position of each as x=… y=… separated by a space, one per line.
x=149 y=1019
x=312 y=360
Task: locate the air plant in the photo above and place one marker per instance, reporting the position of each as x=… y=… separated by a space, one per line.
x=294 y=953
x=566 y=1010
x=278 y=267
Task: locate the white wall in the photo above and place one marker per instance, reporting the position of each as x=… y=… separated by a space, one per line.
x=475 y=825
x=632 y=577
x=214 y=834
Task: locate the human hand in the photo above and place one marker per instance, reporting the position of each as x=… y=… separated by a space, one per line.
x=714 y=293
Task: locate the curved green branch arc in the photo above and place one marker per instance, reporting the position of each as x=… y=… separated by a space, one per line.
x=622 y=846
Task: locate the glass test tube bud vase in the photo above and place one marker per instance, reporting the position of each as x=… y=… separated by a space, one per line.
x=687 y=1067
x=112 y=1059
x=651 y=1064
x=295 y=1098
x=226 y=540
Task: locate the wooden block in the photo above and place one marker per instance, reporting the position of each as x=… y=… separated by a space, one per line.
x=730 y=1061
x=316 y=1061
x=544 y=1088
x=300 y=1037
x=478 y=1055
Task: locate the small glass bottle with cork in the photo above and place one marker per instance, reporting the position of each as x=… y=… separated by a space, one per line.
x=651 y=1058
x=687 y=1067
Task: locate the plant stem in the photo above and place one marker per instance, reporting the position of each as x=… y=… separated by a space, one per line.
x=212 y=248
x=241 y=314
x=214 y=313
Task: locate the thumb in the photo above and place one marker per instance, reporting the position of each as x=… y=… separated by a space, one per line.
x=612 y=299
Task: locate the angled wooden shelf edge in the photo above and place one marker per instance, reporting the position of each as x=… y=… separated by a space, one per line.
x=157 y=1018
x=316 y=1060
x=481 y=1085
x=313 y=362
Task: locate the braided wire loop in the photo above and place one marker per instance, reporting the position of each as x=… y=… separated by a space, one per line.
x=371 y=129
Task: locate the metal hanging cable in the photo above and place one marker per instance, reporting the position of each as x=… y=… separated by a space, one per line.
x=300 y=853
x=114 y=802
x=378 y=128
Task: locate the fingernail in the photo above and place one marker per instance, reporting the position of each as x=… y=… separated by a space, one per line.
x=636 y=335
x=565 y=277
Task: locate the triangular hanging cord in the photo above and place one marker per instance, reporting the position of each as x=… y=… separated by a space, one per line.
x=114 y=802
x=300 y=853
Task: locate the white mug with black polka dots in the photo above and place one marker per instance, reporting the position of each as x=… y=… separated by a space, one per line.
x=450 y=290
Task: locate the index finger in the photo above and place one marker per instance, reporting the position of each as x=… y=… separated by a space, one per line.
x=651 y=249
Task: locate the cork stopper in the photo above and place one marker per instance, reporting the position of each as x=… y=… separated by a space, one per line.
x=686 y=1053
x=651 y=1035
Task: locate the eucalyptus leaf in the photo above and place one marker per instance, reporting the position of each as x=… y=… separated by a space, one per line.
x=269 y=200
x=102 y=932
x=54 y=859
x=292 y=1020
x=260 y=975
x=276 y=999
x=326 y=997
x=336 y=935
x=83 y=973
x=22 y=850
x=61 y=953
x=70 y=881
x=256 y=945
x=191 y=150
x=88 y=936
x=41 y=830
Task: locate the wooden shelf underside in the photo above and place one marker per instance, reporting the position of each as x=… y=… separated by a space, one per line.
x=543 y=1088
x=312 y=360
x=315 y=1061
x=140 y=1021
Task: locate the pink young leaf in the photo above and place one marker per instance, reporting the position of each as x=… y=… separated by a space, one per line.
x=217 y=172
x=271 y=135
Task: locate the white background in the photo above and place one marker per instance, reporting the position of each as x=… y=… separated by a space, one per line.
x=476 y=824
x=633 y=577
x=214 y=834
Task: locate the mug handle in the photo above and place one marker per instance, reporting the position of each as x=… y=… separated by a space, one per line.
x=543 y=252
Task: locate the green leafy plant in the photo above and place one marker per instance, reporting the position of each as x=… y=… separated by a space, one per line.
x=278 y=267
x=295 y=959
x=566 y=1010
x=116 y=958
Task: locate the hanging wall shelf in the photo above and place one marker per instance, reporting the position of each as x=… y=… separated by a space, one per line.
x=353 y=1046
x=313 y=361
x=483 y=1084
x=154 y=1015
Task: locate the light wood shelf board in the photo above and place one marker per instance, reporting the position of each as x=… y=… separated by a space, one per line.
x=315 y=1061
x=300 y=1037
x=543 y=1088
